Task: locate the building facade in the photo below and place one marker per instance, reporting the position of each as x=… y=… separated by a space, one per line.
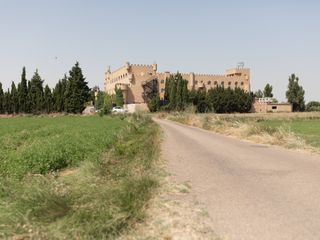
x=133 y=79
x=266 y=105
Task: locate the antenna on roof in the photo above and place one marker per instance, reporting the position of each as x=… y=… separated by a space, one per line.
x=240 y=65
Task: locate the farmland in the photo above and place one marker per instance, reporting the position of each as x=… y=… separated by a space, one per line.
x=307 y=129
x=39 y=145
x=71 y=176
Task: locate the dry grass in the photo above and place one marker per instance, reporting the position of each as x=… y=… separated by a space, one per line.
x=245 y=126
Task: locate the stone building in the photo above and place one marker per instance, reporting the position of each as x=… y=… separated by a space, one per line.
x=135 y=80
x=266 y=105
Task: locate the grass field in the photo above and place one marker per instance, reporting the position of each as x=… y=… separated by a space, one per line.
x=75 y=177
x=43 y=144
x=307 y=129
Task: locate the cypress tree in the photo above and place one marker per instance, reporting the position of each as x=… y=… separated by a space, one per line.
x=59 y=95
x=7 y=102
x=119 y=97
x=28 y=99
x=167 y=88
x=55 y=97
x=100 y=100
x=14 y=98
x=1 y=99
x=185 y=94
x=36 y=93
x=64 y=82
x=23 y=92
x=172 y=94
x=48 y=100
x=179 y=103
x=77 y=91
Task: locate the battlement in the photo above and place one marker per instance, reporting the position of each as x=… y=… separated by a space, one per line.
x=208 y=75
x=142 y=65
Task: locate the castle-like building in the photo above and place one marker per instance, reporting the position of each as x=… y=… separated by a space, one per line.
x=135 y=79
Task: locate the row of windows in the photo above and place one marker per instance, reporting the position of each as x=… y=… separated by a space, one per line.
x=119 y=78
x=222 y=83
x=215 y=83
x=163 y=90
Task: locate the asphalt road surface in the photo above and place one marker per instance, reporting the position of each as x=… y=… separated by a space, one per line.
x=251 y=191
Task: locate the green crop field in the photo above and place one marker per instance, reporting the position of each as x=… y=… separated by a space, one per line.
x=43 y=144
x=75 y=177
x=306 y=128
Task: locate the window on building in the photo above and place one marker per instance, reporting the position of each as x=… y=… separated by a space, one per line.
x=229 y=83
x=162 y=90
x=241 y=83
x=162 y=81
x=209 y=82
x=222 y=83
x=274 y=107
x=236 y=83
x=215 y=82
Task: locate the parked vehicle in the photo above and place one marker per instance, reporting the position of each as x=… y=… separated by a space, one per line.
x=118 y=110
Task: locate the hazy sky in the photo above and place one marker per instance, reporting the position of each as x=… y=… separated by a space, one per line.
x=273 y=38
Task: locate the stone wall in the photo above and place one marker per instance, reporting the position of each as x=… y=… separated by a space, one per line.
x=260 y=107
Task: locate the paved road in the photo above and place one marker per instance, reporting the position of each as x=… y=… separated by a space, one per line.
x=251 y=191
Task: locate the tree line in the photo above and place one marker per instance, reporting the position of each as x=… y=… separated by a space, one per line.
x=31 y=96
x=177 y=97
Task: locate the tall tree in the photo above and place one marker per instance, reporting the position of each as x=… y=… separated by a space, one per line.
x=259 y=94
x=36 y=93
x=23 y=92
x=167 y=88
x=77 y=91
x=179 y=102
x=267 y=92
x=119 y=97
x=295 y=94
x=59 y=93
x=7 y=102
x=14 y=98
x=185 y=94
x=1 y=99
x=48 y=100
x=173 y=94
x=28 y=99
x=99 y=102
